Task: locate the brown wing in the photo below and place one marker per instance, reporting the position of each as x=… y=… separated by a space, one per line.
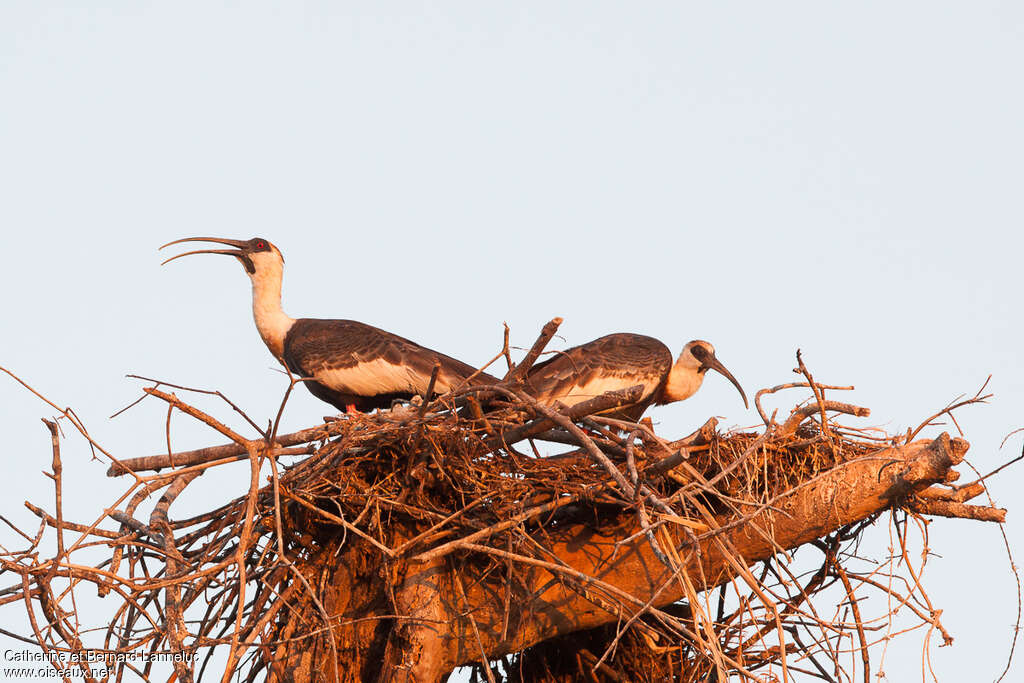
x=615 y=361
x=357 y=359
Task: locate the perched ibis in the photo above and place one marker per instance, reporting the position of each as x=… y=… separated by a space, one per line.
x=619 y=361
x=349 y=364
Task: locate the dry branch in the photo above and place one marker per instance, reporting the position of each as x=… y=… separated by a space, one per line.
x=518 y=373
x=944 y=508
x=232 y=451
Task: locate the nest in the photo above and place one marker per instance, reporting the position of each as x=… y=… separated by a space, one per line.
x=308 y=565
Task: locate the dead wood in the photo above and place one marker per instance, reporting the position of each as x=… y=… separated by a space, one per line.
x=413 y=542
x=551 y=601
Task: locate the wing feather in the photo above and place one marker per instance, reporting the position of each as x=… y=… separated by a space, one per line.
x=615 y=361
x=351 y=357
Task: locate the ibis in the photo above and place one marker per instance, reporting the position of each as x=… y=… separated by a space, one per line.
x=619 y=361
x=349 y=364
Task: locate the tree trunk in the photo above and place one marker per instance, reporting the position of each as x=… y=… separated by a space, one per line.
x=419 y=621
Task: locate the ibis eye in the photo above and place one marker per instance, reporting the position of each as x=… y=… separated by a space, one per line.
x=261 y=245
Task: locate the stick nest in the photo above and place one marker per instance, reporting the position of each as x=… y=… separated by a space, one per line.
x=446 y=480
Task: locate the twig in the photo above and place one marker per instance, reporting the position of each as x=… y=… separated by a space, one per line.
x=70 y=526
x=790 y=385
x=950 y=407
x=159 y=383
x=800 y=414
x=700 y=437
x=819 y=396
x=430 y=390
x=855 y=606
x=468 y=611
x=518 y=373
x=606 y=401
x=442 y=550
x=505 y=350
x=338 y=520
x=174 y=617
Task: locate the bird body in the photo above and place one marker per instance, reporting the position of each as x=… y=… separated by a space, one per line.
x=620 y=361
x=352 y=363
x=349 y=364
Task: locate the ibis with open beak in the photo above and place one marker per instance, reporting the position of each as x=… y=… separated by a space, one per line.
x=349 y=364
x=620 y=361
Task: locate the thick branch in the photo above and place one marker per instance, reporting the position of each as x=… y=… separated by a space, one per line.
x=549 y=603
x=945 y=508
x=229 y=450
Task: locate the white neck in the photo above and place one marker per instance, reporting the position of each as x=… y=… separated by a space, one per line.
x=683 y=382
x=271 y=321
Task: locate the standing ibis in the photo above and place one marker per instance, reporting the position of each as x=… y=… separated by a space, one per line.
x=351 y=365
x=620 y=361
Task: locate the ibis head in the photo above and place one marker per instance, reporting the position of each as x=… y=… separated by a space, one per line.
x=701 y=355
x=697 y=357
x=258 y=256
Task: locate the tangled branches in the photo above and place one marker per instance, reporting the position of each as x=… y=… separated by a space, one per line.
x=416 y=540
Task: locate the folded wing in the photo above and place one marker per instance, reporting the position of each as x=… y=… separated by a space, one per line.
x=615 y=361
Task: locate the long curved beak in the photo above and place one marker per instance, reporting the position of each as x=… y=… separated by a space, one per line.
x=237 y=252
x=717 y=366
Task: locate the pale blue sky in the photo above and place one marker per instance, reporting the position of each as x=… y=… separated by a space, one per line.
x=842 y=178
